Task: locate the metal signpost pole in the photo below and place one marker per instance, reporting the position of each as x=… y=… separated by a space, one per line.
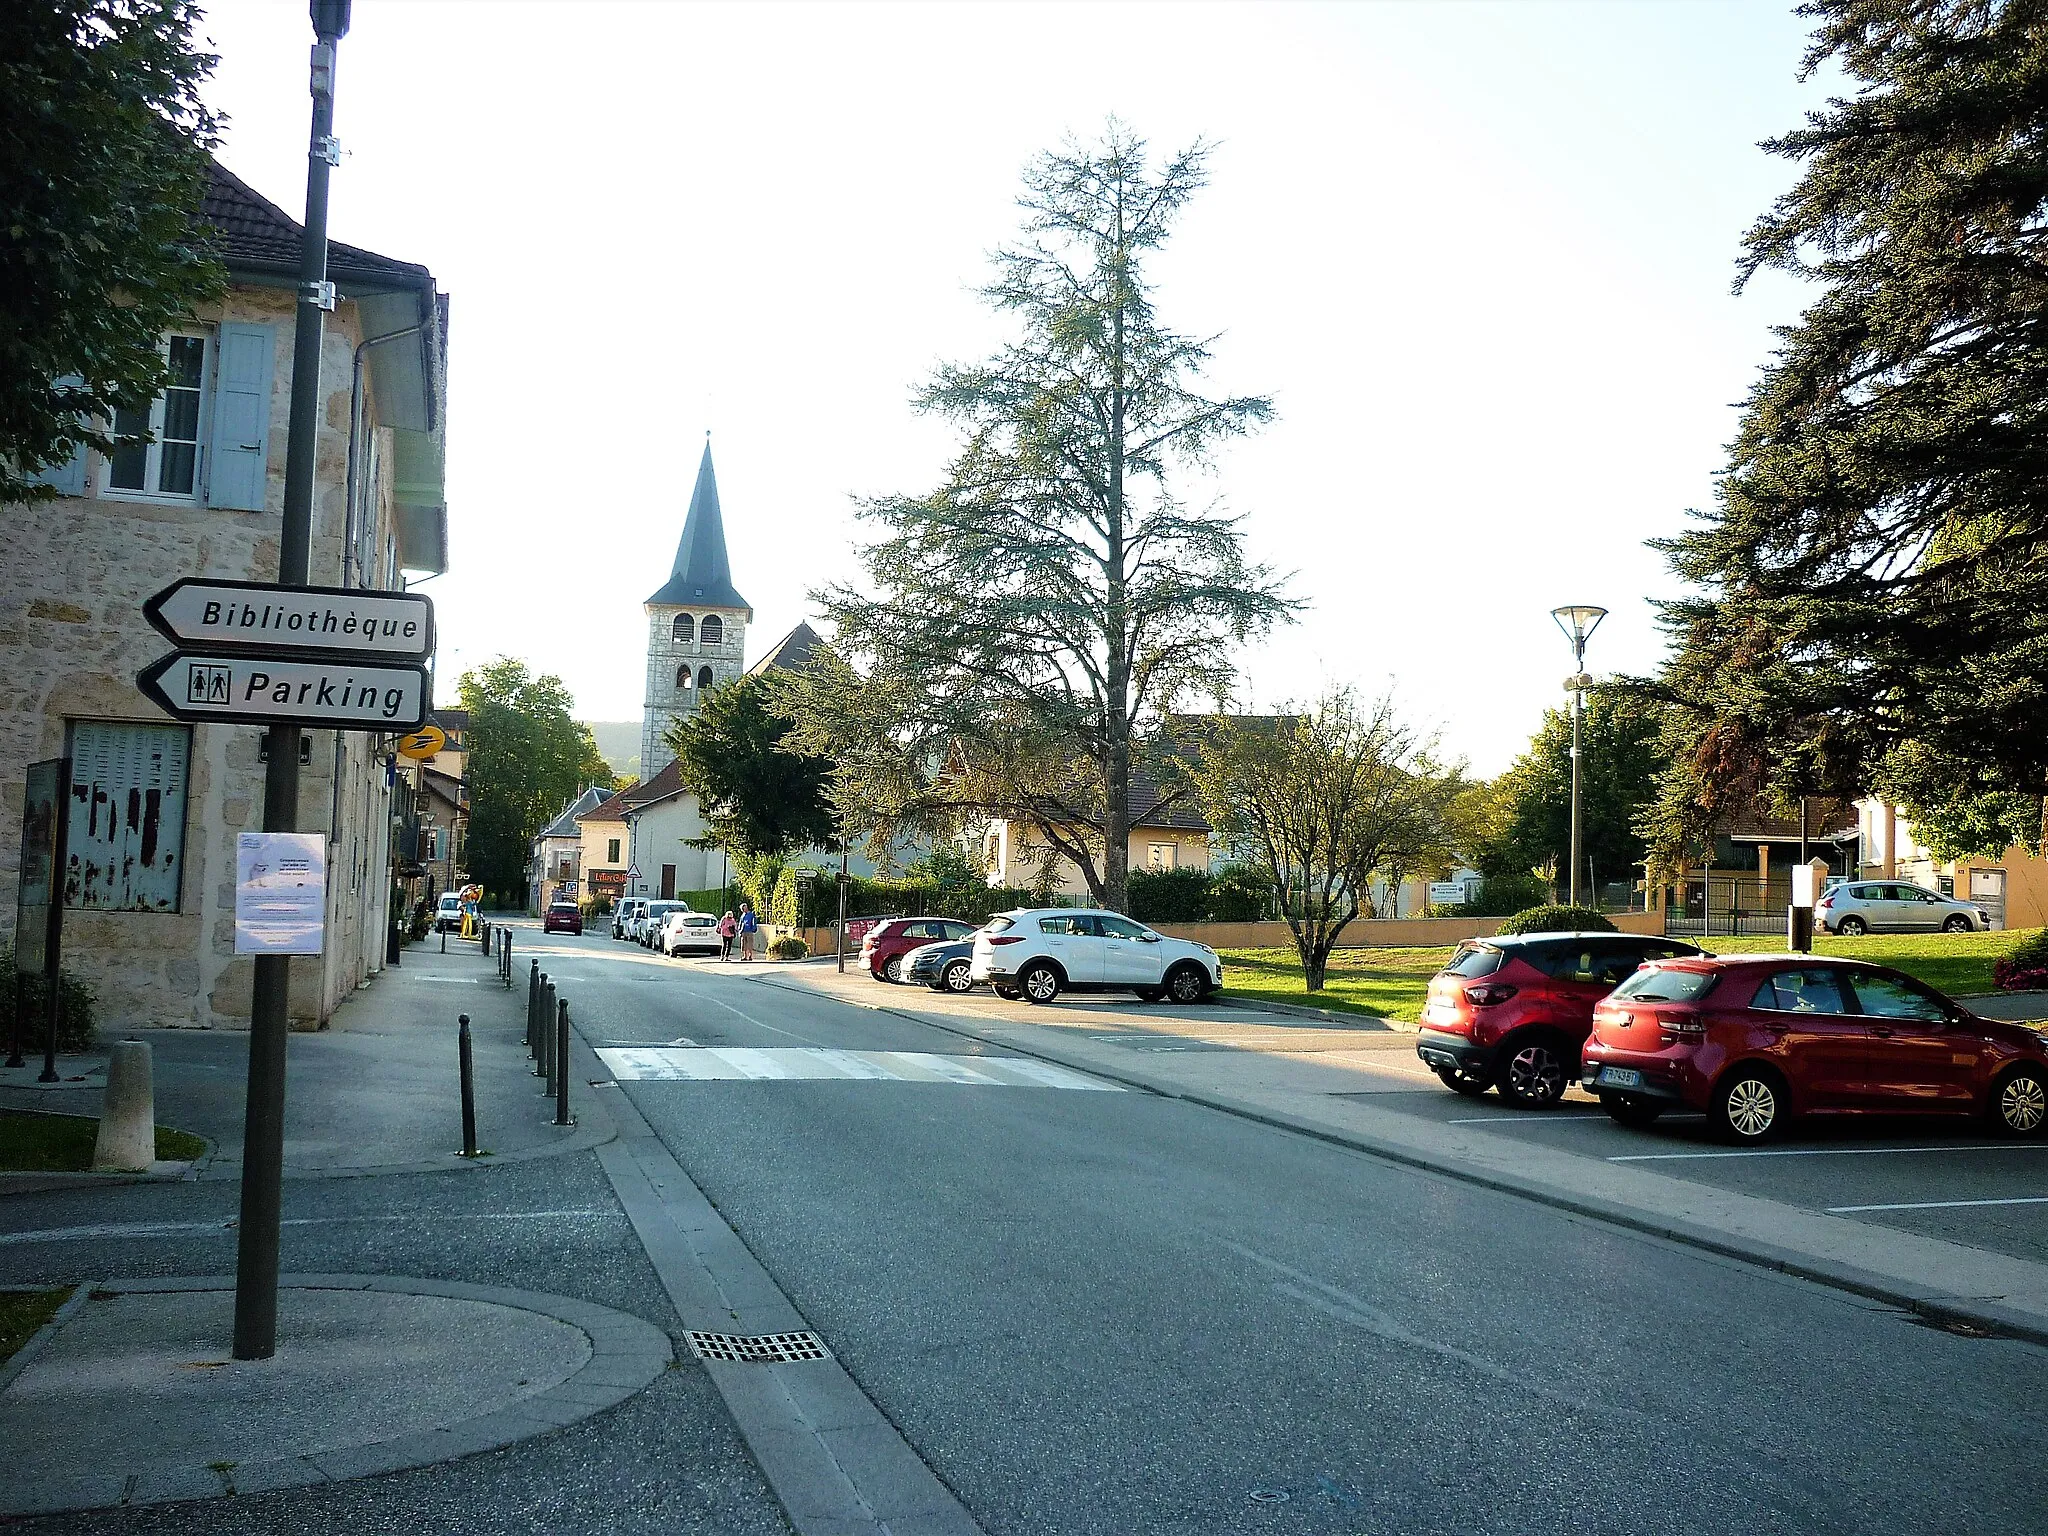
x=1578 y=622
x=263 y=1136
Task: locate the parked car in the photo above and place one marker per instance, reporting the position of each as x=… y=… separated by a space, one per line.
x=562 y=917
x=1754 y=1040
x=1879 y=906
x=448 y=912
x=623 y=913
x=1512 y=1012
x=944 y=967
x=1039 y=953
x=683 y=930
x=647 y=926
x=883 y=946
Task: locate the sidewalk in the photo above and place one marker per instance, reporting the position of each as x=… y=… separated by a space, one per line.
x=1292 y=1091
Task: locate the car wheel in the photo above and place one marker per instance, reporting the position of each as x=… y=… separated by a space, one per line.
x=2019 y=1102
x=1631 y=1112
x=1040 y=983
x=1186 y=984
x=892 y=969
x=1534 y=1072
x=1957 y=923
x=958 y=977
x=1749 y=1106
x=1458 y=1080
x=1852 y=927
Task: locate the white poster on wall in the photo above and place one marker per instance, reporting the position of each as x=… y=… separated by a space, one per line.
x=280 y=893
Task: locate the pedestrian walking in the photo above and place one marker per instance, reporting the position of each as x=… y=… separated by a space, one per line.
x=728 y=925
x=748 y=927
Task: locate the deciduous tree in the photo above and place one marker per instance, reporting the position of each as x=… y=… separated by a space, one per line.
x=758 y=796
x=1032 y=619
x=528 y=757
x=103 y=166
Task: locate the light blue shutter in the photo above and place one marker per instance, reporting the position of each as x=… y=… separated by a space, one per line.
x=68 y=478
x=238 y=474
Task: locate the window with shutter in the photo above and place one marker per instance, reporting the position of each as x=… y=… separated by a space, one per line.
x=156 y=449
x=68 y=478
x=238 y=466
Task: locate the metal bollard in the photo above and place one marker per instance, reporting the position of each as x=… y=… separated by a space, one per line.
x=547 y=1042
x=540 y=1026
x=464 y=1056
x=562 y=1066
x=444 y=936
x=532 y=1004
x=483 y=934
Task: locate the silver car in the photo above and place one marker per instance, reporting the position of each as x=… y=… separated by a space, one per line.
x=1891 y=906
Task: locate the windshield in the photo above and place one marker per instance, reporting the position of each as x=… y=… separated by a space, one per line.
x=1666 y=984
x=1475 y=960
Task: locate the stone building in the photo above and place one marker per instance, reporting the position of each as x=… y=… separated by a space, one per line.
x=197 y=489
x=696 y=625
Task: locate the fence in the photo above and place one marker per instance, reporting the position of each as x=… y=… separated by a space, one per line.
x=1732 y=904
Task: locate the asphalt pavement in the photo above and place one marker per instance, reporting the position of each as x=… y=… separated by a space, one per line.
x=1118 y=1311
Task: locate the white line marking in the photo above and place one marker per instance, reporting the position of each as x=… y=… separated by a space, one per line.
x=825 y=1064
x=1676 y=1157
x=1936 y=1205
x=728 y=1007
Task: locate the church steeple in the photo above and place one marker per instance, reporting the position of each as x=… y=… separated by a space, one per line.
x=702 y=576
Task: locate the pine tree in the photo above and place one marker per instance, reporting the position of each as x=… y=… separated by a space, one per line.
x=1873 y=584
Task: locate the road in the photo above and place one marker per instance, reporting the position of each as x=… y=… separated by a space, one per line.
x=1094 y=1309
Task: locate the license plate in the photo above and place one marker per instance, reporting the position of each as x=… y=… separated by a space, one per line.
x=1620 y=1077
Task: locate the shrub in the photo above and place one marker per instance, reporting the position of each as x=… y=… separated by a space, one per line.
x=1169 y=895
x=1557 y=920
x=1503 y=895
x=2024 y=967
x=77 y=1007
x=1238 y=893
x=789 y=947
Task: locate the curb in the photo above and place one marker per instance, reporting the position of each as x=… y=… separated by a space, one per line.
x=627 y=1354
x=1936 y=1307
x=1325 y=1015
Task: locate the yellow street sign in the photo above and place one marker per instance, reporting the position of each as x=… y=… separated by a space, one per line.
x=423 y=743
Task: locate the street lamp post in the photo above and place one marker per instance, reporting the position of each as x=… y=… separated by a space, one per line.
x=1578 y=621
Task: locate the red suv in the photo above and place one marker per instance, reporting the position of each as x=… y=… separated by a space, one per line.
x=883 y=946
x=1756 y=1039
x=1513 y=1012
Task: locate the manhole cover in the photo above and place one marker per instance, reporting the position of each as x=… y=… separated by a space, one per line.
x=758 y=1348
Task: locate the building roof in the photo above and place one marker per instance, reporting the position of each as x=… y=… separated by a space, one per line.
x=564 y=825
x=446 y=785
x=257 y=235
x=665 y=785
x=1144 y=801
x=452 y=719
x=792 y=653
x=702 y=577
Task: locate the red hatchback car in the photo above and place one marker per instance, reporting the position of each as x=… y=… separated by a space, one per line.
x=883 y=947
x=1756 y=1039
x=562 y=917
x=1514 y=1011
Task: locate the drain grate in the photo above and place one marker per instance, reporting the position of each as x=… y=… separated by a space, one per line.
x=758 y=1348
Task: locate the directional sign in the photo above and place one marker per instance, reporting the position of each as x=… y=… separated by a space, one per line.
x=289 y=690
x=423 y=743
x=249 y=615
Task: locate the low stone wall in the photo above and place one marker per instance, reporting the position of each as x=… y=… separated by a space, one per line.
x=1380 y=932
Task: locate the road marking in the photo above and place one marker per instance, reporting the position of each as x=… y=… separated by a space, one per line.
x=702 y=1064
x=1678 y=1157
x=1936 y=1205
x=728 y=1007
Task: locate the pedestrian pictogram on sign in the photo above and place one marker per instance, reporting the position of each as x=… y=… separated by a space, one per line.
x=207 y=685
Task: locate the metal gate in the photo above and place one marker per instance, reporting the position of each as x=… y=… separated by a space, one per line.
x=1704 y=905
x=1987 y=890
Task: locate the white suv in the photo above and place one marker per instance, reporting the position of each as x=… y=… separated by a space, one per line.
x=1040 y=953
x=628 y=908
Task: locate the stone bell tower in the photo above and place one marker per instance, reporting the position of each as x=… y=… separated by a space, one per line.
x=696 y=625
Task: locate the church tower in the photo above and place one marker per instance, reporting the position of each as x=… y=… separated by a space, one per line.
x=696 y=625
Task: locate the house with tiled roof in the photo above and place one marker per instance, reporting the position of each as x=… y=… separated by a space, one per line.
x=196 y=488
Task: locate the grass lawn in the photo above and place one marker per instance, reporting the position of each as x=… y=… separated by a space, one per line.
x=1393 y=983
x=36 y=1143
x=22 y=1313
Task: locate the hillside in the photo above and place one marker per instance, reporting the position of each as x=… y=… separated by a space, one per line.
x=618 y=741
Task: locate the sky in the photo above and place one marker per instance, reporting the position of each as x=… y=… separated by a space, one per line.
x=1480 y=256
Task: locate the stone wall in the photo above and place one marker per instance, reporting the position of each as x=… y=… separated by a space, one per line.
x=664 y=702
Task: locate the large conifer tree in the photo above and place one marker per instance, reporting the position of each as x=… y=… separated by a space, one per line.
x=1873 y=585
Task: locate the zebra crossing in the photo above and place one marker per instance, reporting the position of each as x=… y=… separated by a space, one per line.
x=730 y=1063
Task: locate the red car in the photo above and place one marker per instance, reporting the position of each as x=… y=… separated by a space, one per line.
x=1513 y=1012
x=883 y=946
x=562 y=917
x=1756 y=1039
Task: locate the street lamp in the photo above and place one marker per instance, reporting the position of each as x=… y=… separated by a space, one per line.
x=1578 y=621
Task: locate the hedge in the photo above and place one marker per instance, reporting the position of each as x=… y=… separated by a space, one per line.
x=1557 y=920
x=77 y=1007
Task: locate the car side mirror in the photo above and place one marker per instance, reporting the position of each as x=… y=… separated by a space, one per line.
x=1148 y=938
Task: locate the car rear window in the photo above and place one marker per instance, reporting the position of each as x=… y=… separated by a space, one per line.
x=999 y=924
x=1667 y=984
x=1475 y=960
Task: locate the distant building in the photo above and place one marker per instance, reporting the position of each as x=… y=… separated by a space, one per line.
x=696 y=625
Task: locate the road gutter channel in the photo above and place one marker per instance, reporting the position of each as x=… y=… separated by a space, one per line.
x=833 y=1459
x=1935 y=1306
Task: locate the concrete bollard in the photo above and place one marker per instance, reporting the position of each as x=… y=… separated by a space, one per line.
x=127 y=1139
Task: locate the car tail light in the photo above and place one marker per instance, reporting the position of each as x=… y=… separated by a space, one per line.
x=1827 y=900
x=1487 y=993
x=1006 y=938
x=1677 y=1026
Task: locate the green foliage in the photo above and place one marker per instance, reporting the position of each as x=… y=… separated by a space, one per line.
x=1557 y=920
x=1522 y=822
x=101 y=250
x=1169 y=895
x=77 y=1007
x=528 y=757
x=1875 y=574
x=1501 y=896
x=756 y=875
x=1025 y=628
x=757 y=795
x=2024 y=967
x=789 y=947
x=1239 y=893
